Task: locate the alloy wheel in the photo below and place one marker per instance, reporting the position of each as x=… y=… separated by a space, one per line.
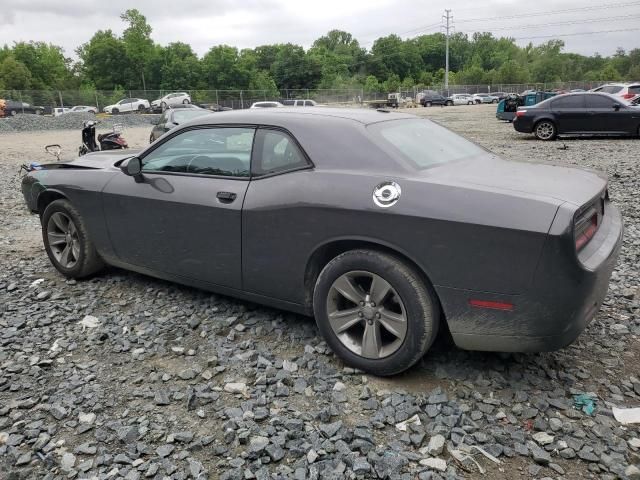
x=366 y=314
x=545 y=130
x=63 y=239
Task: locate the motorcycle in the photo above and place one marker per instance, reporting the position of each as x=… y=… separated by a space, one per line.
x=108 y=141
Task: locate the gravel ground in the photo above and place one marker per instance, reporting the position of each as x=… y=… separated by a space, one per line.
x=128 y=376
x=71 y=121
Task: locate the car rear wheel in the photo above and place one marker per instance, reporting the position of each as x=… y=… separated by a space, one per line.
x=13 y=113
x=495 y=100
x=375 y=311
x=67 y=242
x=427 y=104
x=545 y=130
x=186 y=101
x=449 y=103
x=141 y=108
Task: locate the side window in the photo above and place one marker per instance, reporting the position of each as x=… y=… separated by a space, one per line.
x=612 y=89
x=599 y=101
x=205 y=151
x=308 y=103
x=568 y=101
x=277 y=152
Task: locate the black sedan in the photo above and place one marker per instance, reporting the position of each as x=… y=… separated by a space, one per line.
x=578 y=114
x=173 y=117
x=384 y=226
x=13 y=107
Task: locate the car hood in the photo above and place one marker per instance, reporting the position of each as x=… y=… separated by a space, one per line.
x=564 y=184
x=104 y=159
x=110 y=106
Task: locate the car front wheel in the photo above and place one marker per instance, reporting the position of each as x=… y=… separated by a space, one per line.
x=67 y=241
x=427 y=104
x=115 y=111
x=186 y=101
x=375 y=311
x=545 y=130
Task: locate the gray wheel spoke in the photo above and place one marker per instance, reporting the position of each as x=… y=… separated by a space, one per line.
x=60 y=221
x=56 y=238
x=343 y=320
x=348 y=289
x=395 y=323
x=371 y=341
x=380 y=288
x=75 y=250
x=64 y=257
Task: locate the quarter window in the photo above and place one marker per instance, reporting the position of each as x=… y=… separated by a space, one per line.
x=277 y=152
x=204 y=151
x=568 y=101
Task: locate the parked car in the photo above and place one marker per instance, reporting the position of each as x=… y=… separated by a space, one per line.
x=214 y=107
x=429 y=98
x=57 y=111
x=624 y=90
x=459 y=99
x=84 y=109
x=172 y=117
x=266 y=105
x=169 y=100
x=299 y=103
x=578 y=113
x=128 y=105
x=263 y=206
x=577 y=90
x=13 y=107
x=484 y=98
x=500 y=95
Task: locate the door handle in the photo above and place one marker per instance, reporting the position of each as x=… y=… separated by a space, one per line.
x=226 y=197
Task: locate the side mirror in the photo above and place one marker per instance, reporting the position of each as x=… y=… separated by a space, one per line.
x=133 y=168
x=616 y=106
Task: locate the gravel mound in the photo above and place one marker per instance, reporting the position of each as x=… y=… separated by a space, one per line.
x=125 y=376
x=28 y=122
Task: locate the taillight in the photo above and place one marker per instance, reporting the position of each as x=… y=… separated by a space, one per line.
x=627 y=96
x=585 y=230
x=520 y=113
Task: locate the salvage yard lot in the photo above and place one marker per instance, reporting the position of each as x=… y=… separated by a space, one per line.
x=172 y=381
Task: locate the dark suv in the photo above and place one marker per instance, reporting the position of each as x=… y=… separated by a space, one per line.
x=430 y=98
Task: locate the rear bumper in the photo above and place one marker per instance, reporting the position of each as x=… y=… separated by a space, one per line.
x=522 y=124
x=564 y=297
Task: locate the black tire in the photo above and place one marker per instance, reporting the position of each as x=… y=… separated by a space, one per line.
x=545 y=130
x=186 y=101
x=13 y=113
x=449 y=103
x=115 y=111
x=427 y=104
x=141 y=108
x=38 y=112
x=419 y=299
x=469 y=103
x=495 y=100
x=88 y=261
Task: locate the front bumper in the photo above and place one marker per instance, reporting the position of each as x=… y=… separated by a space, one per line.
x=565 y=295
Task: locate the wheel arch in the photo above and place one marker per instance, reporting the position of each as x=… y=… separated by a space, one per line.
x=327 y=251
x=46 y=197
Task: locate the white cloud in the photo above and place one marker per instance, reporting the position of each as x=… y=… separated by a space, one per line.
x=204 y=23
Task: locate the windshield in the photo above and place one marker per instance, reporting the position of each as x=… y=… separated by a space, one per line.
x=181 y=116
x=424 y=143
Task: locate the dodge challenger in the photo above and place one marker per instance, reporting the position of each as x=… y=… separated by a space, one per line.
x=383 y=226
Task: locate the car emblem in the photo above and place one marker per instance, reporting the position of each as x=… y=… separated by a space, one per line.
x=386 y=194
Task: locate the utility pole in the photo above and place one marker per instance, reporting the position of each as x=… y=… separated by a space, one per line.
x=447 y=17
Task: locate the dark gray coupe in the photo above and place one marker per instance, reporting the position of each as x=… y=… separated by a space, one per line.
x=384 y=226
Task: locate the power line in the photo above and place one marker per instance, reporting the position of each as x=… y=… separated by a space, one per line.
x=550 y=12
x=568 y=22
x=575 y=34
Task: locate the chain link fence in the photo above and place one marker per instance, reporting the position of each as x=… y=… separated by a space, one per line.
x=23 y=101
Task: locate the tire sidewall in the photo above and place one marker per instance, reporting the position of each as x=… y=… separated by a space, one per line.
x=421 y=310
x=64 y=206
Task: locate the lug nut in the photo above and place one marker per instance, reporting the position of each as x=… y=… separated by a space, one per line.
x=359 y=314
x=377 y=315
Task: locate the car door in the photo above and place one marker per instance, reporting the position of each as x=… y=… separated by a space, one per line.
x=274 y=201
x=570 y=114
x=184 y=217
x=606 y=117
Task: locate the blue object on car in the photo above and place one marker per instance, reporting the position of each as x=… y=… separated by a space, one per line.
x=506 y=110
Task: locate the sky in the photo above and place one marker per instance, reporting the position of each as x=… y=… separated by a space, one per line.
x=249 y=23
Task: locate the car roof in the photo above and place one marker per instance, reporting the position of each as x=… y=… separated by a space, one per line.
x=282 y=116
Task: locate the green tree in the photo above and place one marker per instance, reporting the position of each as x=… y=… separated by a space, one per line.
x=14 y=75
x=104 y=60
x=138 y=44
x=294 y=69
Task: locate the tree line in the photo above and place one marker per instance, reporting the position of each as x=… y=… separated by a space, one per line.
x=133 y=61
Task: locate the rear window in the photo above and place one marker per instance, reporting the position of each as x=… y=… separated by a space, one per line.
x=611 y=89
x=424 y=143
x=634 y=89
